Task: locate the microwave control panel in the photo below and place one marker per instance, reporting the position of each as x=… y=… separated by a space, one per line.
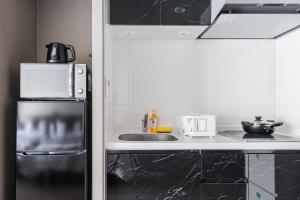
x=80 y=75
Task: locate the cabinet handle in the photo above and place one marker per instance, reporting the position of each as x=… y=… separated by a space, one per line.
x=258 y=195
x=216 y=180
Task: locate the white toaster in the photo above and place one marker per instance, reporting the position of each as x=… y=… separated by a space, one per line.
x=197 y=125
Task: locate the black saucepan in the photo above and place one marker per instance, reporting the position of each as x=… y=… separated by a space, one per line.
x=260 y=127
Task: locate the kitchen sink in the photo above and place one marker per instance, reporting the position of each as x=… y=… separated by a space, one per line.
x=147 y=137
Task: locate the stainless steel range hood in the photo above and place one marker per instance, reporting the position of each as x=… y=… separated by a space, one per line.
x=254 y=21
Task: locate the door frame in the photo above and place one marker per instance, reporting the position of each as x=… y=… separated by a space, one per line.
x=98 y=157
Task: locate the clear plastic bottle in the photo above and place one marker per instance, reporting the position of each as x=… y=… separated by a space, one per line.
x=153 y=119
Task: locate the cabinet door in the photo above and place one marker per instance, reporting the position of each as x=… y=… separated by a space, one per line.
x=277 y=174
x=257 y=193
x=185 y=12
x=223 y=167
x=154 y=176
x=224 y=191
x=119 y=175
x=174 y=176
x=262 y=171
x=287 y=176
x=135 y=12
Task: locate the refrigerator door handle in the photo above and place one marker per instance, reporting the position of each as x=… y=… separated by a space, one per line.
x=20 y=154
x=51 y=153
x=31 y=153
x=67 y=152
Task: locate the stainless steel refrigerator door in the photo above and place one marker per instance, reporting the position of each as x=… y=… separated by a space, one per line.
x=51 y=177
x=51 y=126
x=44 y=80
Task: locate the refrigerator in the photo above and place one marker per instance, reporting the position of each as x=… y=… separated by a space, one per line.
x=51 y=150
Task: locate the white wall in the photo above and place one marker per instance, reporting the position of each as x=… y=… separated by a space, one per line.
x=18 y=44
x=68 y=22
x=234 y=79
x=288 y=82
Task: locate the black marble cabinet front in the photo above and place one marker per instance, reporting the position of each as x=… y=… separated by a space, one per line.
x=287 y=176
x=209 y=175
x=179 y=175
x=223 y=167
x=160 y=12
x=154 y=176
x=120 y=177
x=135 y=12
x=224 y=191
x=185 y=12
x=277 y=174
x=224 y=175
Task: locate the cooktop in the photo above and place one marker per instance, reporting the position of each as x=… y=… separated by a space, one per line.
x=246 y=137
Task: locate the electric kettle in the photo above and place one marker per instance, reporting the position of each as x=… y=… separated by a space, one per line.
x=58 y=53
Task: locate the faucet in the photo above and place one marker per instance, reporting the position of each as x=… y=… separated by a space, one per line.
x=145 y=123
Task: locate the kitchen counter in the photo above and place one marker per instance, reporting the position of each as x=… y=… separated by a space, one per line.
x=218 y=142
x=221 y=168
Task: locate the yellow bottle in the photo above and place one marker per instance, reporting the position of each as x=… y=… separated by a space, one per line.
x=153 y=122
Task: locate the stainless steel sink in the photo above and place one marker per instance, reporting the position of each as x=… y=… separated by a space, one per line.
x=147 y=137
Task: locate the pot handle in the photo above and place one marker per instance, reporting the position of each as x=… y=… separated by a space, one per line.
x=245 y=123
x=276 y=124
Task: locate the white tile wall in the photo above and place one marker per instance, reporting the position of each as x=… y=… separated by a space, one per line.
x=288 y=82
x=120 y=84
x=234 y=79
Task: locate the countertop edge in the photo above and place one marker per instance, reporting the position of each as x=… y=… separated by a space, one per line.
x=205 y=146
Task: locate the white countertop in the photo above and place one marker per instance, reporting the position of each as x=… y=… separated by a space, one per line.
x=218 y=142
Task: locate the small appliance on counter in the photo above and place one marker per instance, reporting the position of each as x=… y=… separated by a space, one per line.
x=260 y=127
x=52 y=139
x=197 y=125
x=58 y=53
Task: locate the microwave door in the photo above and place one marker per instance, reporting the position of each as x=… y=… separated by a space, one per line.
x=47 y=80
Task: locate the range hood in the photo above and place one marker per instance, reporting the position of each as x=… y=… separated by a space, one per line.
x=254 y=21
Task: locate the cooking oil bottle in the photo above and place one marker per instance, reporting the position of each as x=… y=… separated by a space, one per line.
x=153 y=122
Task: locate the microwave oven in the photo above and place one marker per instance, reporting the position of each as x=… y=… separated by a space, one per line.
x=61 y=81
